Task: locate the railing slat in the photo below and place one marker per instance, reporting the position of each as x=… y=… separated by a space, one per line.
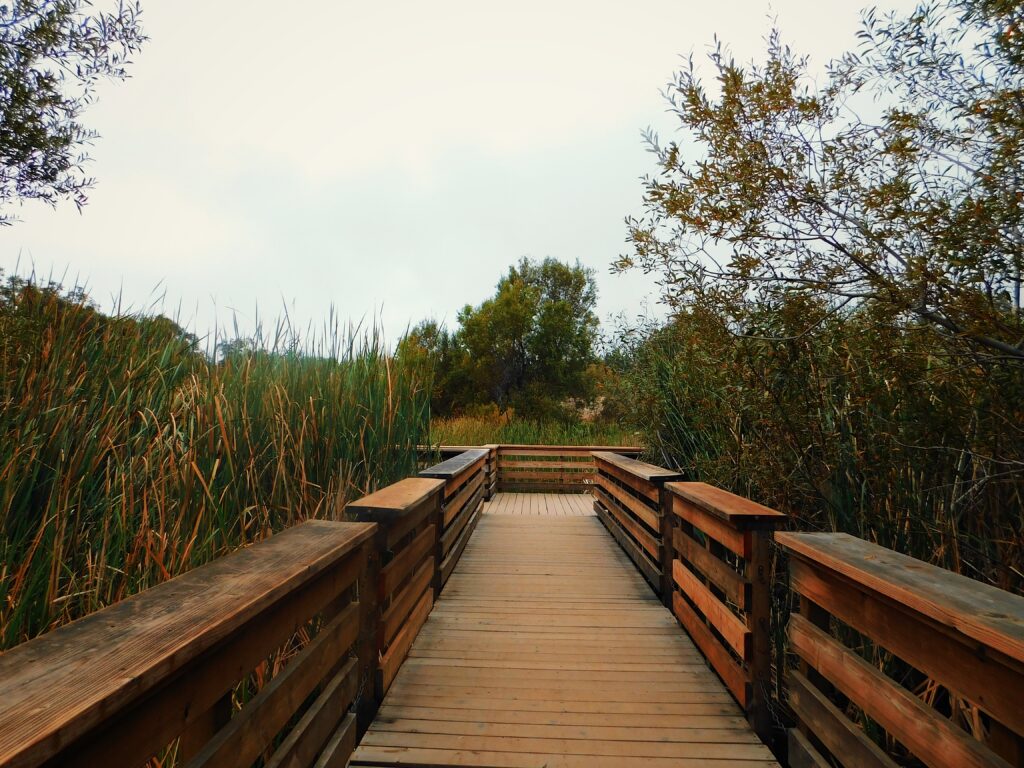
x=988 y=614
x=249 y=733
x=310 y=735
x=929 y=735
x=831 y=727
x=120 y=671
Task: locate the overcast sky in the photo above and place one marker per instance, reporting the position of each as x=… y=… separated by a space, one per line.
x=383 y=158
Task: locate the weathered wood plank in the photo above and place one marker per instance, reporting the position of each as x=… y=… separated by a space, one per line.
x=962 y=663
x=728 y=624
x=721 y=575
x=831 y=727
x=546 y=647
x=105 y=664
x=727 y=506
x=251 y=731
x=982 y=612
x=311 y=734
x=925 y=732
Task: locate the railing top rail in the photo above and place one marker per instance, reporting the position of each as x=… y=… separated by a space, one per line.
x=987 y=614
x=455 y=464
x=63 y=684
x=398 y=497
x=641 y=469
x=574 y=448
x=725 y=505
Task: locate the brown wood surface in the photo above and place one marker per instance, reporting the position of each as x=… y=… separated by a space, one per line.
x=730 y=626
x=927 y=734
x=628 y=501
x=723 y=532
x=640 y=469
x=643 y=537
x=251 y=731
x=725 y=505
x=831 y=727
x=548 y=648
x=982 y=612
x=396 y=499
x=340 y=746
x=105 y=664
x=802 y=753
x=956 y=661
x=309 y=737
x=407 y=560
x=718 y=571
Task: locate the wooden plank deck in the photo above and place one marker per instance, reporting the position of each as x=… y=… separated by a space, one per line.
x=547 y=648
x=548 y=504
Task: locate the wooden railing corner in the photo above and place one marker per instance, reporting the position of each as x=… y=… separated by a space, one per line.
x=721 y=573
x=938 y=631
x=122 y=685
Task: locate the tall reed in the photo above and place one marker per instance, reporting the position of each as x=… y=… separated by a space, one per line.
x=128 y=455
x=481 y=430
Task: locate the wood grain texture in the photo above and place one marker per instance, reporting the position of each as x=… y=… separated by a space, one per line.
x=725 y=505
x=105 y=664
x=990 y=615
x=547 y=648
x=927 y=734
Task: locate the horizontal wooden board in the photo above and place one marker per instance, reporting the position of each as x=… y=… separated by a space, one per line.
x=726 y=623
x=396 y=499
x=733 y=675
x=727 y=506
x=105 y=663
x=639 y=469
x=723 y=532
x=953 y=659
x=719 y=572
x=982 y=612
x=926 y=733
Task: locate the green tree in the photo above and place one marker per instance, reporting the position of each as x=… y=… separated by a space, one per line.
x=529 y=346
x=909 y=201
x=52 y=55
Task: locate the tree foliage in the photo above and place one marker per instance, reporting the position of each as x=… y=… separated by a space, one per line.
x=843 y=262
x=53 y=53
x=529 y=347
x=910 y=201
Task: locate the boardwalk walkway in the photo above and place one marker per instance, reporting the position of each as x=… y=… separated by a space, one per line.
x=547 y=648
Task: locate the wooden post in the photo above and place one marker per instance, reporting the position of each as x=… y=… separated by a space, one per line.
x=758 y=575
x=368 y=646
x=438 y=516
x=668 y=527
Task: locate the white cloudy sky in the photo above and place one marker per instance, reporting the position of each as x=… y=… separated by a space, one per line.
x=384 y=158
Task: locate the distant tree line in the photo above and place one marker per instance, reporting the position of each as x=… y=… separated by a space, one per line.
x=530 y=349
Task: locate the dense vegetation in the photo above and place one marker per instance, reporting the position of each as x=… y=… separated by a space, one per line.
x=845 y=278
x=529 y=349
x=128 y=456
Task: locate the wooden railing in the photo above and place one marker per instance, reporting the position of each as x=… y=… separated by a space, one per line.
x=706 y=553
x=403 y=569
x=464 y=484
x=158 y=671
x=628 y=498
x=722 y=587
x=955 y=641
x=550 y=468
x=963 y=642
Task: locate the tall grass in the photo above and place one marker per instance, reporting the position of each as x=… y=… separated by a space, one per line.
x=128 y=455
x=482 y=430
x=889 y=433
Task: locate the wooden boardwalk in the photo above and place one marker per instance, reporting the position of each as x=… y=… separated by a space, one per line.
x=547 y=648
x=548 y=504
